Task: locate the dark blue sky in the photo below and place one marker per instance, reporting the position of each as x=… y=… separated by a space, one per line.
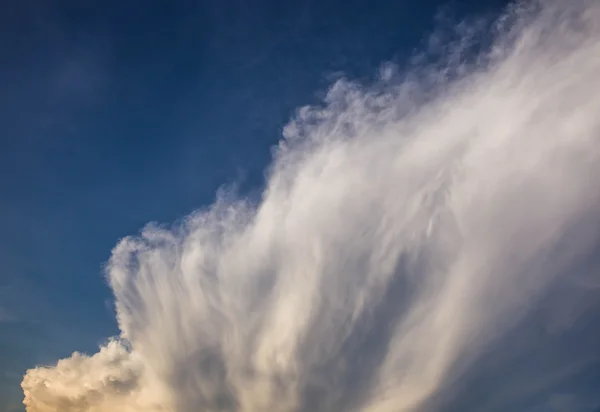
x=114 y=114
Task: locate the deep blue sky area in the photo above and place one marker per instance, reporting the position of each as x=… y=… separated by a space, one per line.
x=114 y=114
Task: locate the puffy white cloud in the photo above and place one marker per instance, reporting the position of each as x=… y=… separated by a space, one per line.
x=109 y=380
x=402 y=233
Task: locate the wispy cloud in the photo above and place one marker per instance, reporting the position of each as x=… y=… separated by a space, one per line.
x=405 y=230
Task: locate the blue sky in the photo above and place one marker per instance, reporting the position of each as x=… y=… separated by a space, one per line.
x=114 y=114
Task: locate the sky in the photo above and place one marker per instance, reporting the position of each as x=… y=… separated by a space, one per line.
x=117 y=114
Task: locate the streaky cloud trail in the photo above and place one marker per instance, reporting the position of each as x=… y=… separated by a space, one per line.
x=409 y=235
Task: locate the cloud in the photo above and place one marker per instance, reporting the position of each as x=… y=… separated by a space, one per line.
x=109 y=380
x=409 y=234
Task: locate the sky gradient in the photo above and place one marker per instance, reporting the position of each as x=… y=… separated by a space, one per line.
x=116 y=114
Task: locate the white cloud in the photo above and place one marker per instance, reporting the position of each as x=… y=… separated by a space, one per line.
x=109 y=380
x=396 y=240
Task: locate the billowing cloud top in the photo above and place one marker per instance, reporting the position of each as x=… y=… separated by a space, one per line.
x=406 y=233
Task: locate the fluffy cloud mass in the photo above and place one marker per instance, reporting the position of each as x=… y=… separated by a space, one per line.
x=409 y=235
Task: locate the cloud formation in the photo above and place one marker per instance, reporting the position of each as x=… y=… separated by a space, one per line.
x=407 y=230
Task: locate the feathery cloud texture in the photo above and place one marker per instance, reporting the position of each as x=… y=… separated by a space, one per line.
x=405 y=229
